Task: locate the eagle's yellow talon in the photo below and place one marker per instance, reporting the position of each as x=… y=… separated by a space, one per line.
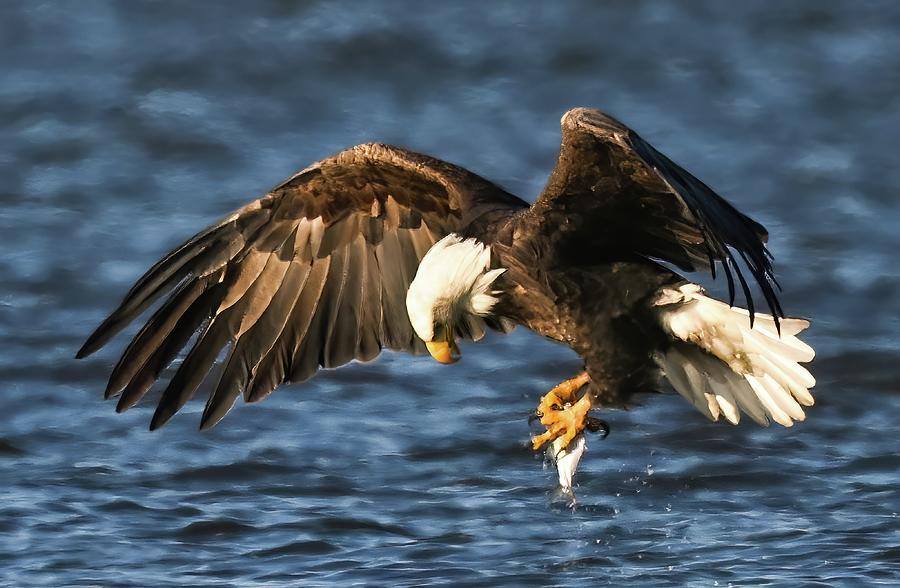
x=563 y=416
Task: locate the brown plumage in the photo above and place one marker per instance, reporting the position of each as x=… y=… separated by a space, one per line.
x=315 y=273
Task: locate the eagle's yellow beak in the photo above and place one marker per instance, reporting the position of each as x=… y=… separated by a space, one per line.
x=444 y=351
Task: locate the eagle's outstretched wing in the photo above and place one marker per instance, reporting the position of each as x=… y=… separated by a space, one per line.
x=614 y=194
x=313 y=274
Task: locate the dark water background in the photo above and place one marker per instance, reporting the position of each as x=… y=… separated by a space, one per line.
x=127 y=126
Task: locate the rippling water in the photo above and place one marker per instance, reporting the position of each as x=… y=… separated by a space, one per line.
x=129 y=125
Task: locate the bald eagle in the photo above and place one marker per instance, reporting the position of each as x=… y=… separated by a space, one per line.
x=380 y=247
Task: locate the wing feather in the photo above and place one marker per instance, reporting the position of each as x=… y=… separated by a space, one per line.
x=275 y=365
x=345 y=331
x=197 y=314
x=394 y=281
x=371 y=331
x=309 y=352
x=250 y=348
x=337 y=293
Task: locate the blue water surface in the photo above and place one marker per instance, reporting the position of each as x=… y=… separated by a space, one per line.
x=127 y=126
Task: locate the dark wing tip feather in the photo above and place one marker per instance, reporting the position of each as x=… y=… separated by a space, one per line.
x=85 y=350
x=207 y=423
x=730 y=280
x=728 y=229
x=160 y=417
x=100 y=336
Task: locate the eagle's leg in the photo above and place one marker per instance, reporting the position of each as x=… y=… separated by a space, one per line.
x=563 y=415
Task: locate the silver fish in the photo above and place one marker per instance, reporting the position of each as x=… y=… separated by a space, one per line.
x=566 y=461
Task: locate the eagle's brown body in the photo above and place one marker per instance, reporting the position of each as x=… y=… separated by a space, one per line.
x=603 y=312
x=315 y=273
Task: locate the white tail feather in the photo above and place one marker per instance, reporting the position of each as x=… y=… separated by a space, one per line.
x=723 y=366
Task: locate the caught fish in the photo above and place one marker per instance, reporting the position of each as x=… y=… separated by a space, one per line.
x=566 y=461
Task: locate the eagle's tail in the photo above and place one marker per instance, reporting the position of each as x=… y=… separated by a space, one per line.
x=725 y=366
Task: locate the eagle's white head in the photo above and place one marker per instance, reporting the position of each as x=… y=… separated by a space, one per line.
x=454 y=279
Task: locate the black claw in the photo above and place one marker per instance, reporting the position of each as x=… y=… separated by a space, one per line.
x=535 y=416
x=595 y=425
